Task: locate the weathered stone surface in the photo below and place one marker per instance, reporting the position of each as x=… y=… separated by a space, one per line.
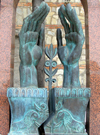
x=77 y=0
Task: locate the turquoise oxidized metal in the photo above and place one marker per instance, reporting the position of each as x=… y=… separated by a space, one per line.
x=31 y=41
x=29 y=103
x=70 y=54
x=31 y=111
x=28 y=106
x=72 y=112
x=51 y=53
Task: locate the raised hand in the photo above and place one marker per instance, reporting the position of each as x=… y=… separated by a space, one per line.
x=31 y=41
x=70 y=54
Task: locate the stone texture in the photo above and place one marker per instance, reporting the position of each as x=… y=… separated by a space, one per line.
x=77 y=10
x=22 y=0
x=60 y=80
x=94 y=49
x=77 y=0
x=7 y=26
x=4 y=115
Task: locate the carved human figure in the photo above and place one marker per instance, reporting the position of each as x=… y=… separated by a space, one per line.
x=70 y=54
x=31 y=40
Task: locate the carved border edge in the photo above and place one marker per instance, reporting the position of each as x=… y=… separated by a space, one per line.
x=74 y=92
x=42 y=92
x=51 y=134
x=27 y=92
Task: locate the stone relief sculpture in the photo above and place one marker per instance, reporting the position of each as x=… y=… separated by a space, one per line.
x=64 y=112
x=31 y=41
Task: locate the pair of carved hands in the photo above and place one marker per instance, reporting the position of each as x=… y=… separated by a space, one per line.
x=32 y=36
x=32 y=33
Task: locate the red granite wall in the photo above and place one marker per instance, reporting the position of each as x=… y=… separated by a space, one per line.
x=92 y=25
x=7 y=14
x=94 y=60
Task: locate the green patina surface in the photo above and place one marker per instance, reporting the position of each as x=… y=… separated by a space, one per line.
x=70 y=54
x=29 y=106
x=31 y=42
